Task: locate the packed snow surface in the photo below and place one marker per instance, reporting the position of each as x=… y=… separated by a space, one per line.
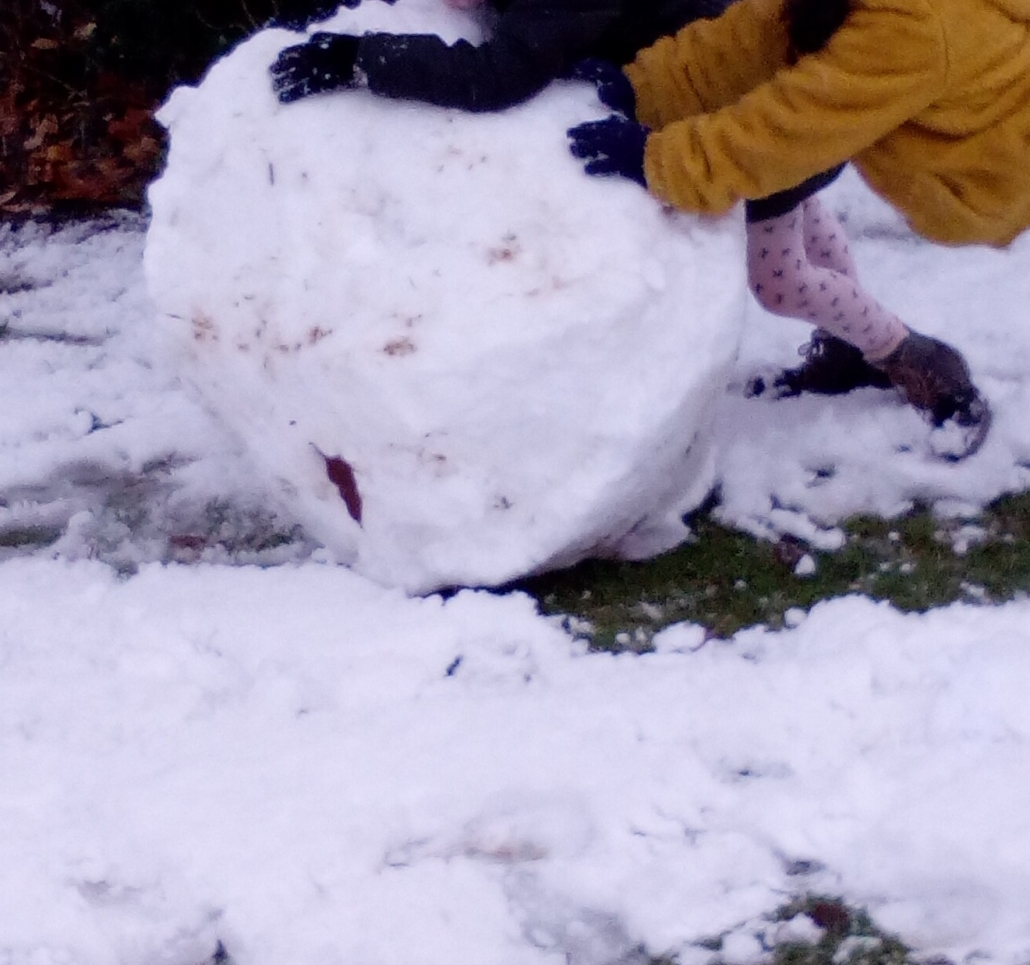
x=305 y=766
x=504 y=366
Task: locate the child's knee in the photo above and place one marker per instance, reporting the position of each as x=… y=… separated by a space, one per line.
x=776 y=289
x=763 y=294
x=777 y=263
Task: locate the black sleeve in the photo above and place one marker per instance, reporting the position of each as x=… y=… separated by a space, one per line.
x=534 y=41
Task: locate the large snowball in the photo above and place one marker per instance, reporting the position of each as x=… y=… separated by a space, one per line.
x=462 y=359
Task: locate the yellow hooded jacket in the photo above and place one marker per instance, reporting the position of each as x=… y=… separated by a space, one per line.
x=929 y=98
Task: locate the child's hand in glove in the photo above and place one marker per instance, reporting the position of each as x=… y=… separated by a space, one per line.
x=325 y=63
x=612 y=146
x=613 y=87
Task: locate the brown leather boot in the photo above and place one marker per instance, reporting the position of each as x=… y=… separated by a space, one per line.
x=934 y=378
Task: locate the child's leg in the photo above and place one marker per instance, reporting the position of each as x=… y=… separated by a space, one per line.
x=786 y=282
x=826 y=242
x=799 y=266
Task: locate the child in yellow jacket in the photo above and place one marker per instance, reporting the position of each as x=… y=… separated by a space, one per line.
x=929 y=99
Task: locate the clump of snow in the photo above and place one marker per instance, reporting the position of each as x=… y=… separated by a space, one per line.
x=460 y=358
x=800 y=928
x=806 y=566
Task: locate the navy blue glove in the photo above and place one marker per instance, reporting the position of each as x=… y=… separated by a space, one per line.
x=613 y=87
x=612 y=146
x=326 y=62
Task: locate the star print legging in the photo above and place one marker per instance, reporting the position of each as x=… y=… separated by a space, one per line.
x=799 y=266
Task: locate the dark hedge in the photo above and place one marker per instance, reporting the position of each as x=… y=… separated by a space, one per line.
x=80 y=79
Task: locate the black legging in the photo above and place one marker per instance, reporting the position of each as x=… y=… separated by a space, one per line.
x=783 y=201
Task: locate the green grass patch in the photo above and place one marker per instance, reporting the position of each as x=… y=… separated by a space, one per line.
x=29 y=537
x=847 y=936
x=850 y=937
x=725 y=580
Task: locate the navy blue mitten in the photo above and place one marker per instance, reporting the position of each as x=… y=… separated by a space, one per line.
x=326 y=62
x=612 y=146
x=613 y=87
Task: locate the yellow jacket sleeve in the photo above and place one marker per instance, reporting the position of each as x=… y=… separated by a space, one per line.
x=709 y=63
x=886 y=64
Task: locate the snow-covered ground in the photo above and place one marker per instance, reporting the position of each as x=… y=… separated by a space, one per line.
x=312 y=768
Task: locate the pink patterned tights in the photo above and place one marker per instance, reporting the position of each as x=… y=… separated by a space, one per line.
x=799 y=266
